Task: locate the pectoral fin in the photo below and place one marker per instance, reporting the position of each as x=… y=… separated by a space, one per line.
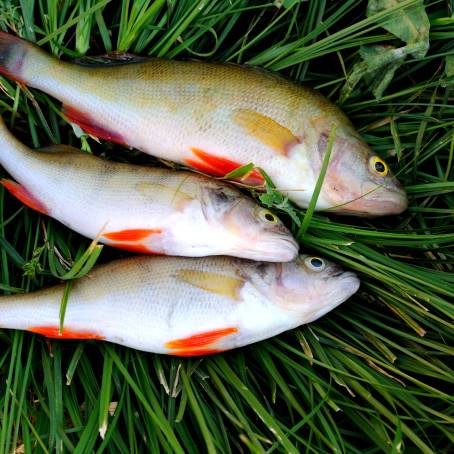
x=199 y=344
x=266 y=130
x=131 y=234
x=219 y=284
x=214 y=165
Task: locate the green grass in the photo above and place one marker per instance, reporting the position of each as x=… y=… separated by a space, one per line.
x=372 y=376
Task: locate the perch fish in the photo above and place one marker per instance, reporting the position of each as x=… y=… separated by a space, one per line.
x=142 y=209
x=215 y=118
x=184 y=306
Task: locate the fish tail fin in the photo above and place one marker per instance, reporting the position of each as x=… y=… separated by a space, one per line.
x=19 y=59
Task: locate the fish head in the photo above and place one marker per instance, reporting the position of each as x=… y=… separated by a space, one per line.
x=357 y=181
x=307 y=287
x=245 y=228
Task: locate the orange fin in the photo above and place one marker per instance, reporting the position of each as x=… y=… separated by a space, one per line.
x=267 y=130
x=23 y=195
x=196 y=352
x=131 y=235
x=88 y=124
x=139 y=248
x=67 y=333
x=195 y=342
x=219 y=167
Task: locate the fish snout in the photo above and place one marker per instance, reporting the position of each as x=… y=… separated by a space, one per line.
x=282 y=248
x=385 y=200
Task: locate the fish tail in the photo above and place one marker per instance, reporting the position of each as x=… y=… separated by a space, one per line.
x=20 y=60
x=10 y=146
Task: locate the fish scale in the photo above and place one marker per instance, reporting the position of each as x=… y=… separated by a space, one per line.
x=150 y=304
x=142 y=209
x=171 y=108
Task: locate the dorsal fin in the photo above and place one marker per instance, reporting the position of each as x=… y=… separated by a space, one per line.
x=111 y=59
x=59 y=148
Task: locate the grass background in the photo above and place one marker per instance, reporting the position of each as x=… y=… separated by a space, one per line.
x=372 y=376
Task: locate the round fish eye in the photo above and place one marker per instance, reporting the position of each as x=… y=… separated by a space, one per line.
x=378 y=166
x=268 y=216
x=315 y=264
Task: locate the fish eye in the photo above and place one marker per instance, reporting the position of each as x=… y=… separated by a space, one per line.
x=267 y=216
x=315 y=264
x=378 y=166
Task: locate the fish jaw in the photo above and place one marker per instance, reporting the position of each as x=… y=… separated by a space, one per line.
x=274 y=249
x=347 y=286
x=350 y=186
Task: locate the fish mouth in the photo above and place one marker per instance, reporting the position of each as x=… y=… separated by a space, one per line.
x=280 y=249
x=386 y=201
x=373 y=202
x=349 y=283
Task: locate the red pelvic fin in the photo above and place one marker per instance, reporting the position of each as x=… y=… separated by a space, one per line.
x=131 y=235
x=130 y=240
x=88 y=124
x=67 y=333
x=139 y=248
x=220 y=167
x=23 y=195
x=200 y=340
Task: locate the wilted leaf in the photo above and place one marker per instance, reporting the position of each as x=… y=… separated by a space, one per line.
x=410 y=24
x=449 y=67
x=379 y=64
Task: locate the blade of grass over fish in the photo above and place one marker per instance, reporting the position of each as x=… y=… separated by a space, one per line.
x=242 y=171
x=85 y=263
x=63 y=304
x=318 y=186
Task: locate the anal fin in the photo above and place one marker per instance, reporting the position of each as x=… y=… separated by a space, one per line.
x=67 y=333
x=21 y=193
x=89 y=125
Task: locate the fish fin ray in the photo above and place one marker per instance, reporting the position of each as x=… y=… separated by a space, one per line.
x=219 y=284
x=266 y=130
x=197 y=341
x=22 y=194
x=67 y=333
x=89 y=125
x=214 y=165
x=138 y=248
x=131 y=234
x=110 y=59
x=60 y=148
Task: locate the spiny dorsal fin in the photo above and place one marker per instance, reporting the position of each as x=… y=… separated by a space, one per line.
x=60 y=148
x=111 y=59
